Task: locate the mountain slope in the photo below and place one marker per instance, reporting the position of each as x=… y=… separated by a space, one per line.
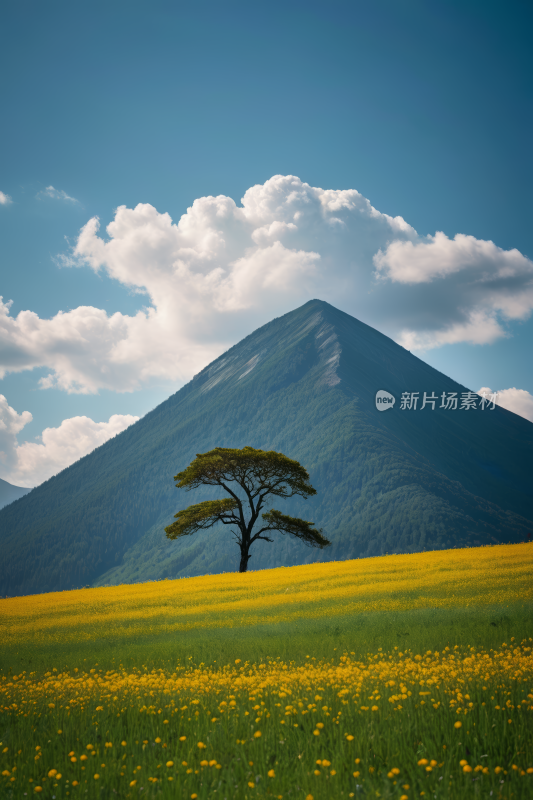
x=305 y=384
x=9 y=493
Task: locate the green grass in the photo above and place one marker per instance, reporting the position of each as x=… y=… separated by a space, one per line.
x=418 y=630
x=291 y=752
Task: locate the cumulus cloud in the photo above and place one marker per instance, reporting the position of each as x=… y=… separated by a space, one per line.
x=516 y=400
x=31 y=463
x=5 y=199
x=224 y=269
x=11 y=424
x=56 y=194
x=481 y=285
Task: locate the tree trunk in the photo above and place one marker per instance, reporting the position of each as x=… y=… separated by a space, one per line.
x=244 y=559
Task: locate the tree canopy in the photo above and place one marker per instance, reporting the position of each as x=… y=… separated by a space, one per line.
x=250 y=477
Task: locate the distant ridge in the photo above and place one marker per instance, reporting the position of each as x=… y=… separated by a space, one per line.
x=9 y=493
x=304 y=384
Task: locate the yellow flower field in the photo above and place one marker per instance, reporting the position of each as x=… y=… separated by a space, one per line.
x=207 y=726
x=398 y=721
x=443 y=579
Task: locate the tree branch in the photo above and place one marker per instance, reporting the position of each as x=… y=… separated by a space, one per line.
x=299 y=528
x=200 y=517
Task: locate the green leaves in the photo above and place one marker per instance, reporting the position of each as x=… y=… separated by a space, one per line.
x=200 y=517
x=255 y=474
x=259 y=472
x=300 y=528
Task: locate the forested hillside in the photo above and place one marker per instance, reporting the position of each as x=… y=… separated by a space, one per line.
x=9 y=493
x=305 y=384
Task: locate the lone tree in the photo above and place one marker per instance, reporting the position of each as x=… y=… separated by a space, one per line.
x=249 y=476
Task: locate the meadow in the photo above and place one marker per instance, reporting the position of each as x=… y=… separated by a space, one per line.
x=395 y=677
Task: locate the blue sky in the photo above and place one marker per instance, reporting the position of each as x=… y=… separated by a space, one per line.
x=424 y=108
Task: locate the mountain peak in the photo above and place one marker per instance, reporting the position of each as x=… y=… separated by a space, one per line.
x=304 y=384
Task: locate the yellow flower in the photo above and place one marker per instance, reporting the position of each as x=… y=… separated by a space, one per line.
x=457 y=724
x=52 y=773
x=423 y=762
x=74 y=783
x=375 y=708
x=170 y=763
x=309 y=797
x=123 y=744
x=467 y=768
x=320 y=725
x=73 y=759
x=316 y=733
x=182 y=738
x=157 y=740
x=238 y=661
x=356 y=774
x=202 y=746
x=257 y=734
x=51 y=705
x=271 y=773
x=204 y=763
x=251 y=784
x=38 y=789
x=317 y=772
x=58 y=776
x=83 y=757
x=349 y=738
x=132 y=783
x=96 y=776
x=194 y=796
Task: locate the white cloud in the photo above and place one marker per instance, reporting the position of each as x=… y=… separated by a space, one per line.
x=5 y=199
x=56 y=194
x=31 y=463
x=11 y=424
x=225 y=269
x=471 y=286
x=438 y=256
x=516 y=400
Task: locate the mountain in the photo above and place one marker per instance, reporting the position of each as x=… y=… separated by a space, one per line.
x=305 y=384
x=8 y=492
